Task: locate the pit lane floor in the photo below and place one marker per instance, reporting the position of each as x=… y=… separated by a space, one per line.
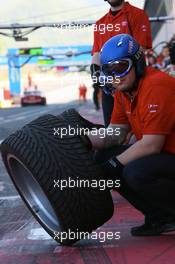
x=22 y=240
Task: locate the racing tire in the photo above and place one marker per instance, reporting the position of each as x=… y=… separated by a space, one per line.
x=36 y=159
x=75 y=119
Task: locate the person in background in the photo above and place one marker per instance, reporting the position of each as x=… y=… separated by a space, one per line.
x=164 y=58
x=36 y=87
x=29 y=78
x=121 y=18
x=82 y=92
x=171 y=67
x=152 y=61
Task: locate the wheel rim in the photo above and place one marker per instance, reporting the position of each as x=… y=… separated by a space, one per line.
x=33 y=194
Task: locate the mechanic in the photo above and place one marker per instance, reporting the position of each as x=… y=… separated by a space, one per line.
x=82 y=92
x=121 y=18
x=144 y=103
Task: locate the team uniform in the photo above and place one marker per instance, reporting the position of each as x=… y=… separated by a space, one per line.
x=147 y=182
x=129 y=20
x=152 y=110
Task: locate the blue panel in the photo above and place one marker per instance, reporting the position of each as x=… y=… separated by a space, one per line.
x=14 y=75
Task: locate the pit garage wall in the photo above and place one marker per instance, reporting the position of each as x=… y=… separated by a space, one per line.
x=162 y=31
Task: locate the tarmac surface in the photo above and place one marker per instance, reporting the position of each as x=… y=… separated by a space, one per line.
x=23 y=240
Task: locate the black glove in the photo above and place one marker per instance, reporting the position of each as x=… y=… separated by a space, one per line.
x=95 y=70
x=95 y=74
x=100 y=83
x=112 y=169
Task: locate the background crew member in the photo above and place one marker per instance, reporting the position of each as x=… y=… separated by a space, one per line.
x=121 y=18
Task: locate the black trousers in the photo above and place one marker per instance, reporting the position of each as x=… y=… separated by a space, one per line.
x=147 y=183
x=96 y=98
x=107 y=105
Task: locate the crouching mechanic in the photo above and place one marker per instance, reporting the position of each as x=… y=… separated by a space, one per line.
x=144 y=103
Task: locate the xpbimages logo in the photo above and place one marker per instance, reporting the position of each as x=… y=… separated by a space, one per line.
x=80 y=131
x=77 y=235
x=101 y=184
x=100 y=28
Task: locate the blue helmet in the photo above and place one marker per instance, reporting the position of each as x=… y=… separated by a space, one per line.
x=124 y=46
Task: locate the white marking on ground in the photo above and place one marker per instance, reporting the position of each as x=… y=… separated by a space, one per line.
x=24 y=116
x=103 y=246
x=29 y=112
x=24 y=225
x=38 y=234
x=22 y=113
x=14 y=197
x=19 y=118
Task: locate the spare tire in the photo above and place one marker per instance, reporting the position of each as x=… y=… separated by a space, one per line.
x=75 y=119
x=36 y=159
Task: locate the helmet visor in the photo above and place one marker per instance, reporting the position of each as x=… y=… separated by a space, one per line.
x=118 y=68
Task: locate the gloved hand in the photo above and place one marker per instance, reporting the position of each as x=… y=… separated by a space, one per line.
x=112 y=169
x=100 y=80
x=95 y=74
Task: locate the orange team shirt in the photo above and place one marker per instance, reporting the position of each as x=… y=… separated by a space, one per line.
x=152 y=110
x=130 y=20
